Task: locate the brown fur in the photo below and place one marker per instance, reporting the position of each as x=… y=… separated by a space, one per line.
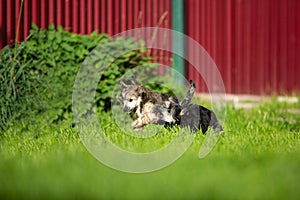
x=154 y=108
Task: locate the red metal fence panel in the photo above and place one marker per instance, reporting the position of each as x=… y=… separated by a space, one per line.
x=255 y=43
x=84 y=16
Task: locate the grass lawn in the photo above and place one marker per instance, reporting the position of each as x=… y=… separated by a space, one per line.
x=257 y=157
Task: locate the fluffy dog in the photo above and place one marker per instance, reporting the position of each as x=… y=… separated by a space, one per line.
x=151 y=107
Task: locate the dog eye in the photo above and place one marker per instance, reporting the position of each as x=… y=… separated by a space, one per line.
x=130 y=100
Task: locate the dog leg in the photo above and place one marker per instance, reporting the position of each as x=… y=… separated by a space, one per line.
x=137 y=123
x=147 y=118
x=214 y=123
x=144 y=119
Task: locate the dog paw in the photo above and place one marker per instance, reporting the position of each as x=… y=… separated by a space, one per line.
x=138 y=128
x=136 y=124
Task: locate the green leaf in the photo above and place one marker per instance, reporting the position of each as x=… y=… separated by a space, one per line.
x=51 y=27
x=66 y=47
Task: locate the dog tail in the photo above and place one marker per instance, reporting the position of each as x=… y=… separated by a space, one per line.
x=188 y=98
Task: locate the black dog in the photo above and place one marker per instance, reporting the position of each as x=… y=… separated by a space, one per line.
x=196 y=117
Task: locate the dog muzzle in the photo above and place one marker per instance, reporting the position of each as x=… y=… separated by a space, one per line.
x=127 y=110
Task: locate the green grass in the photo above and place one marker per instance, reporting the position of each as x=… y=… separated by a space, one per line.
x=257 y=157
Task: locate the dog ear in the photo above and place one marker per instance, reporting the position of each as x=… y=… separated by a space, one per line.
x=140 y=90
x=120 y=99
x=134 y=81
x=123 y=84
x=143 y=95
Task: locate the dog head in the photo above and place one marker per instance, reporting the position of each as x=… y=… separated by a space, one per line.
x=130 y=96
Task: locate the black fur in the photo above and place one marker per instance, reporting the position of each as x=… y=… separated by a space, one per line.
x=197 y=117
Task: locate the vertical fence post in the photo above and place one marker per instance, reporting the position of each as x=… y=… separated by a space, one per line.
x=178 y=42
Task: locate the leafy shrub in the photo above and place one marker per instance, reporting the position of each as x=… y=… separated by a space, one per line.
x=37 y=75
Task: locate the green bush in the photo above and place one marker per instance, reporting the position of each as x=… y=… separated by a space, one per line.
x=37 y=75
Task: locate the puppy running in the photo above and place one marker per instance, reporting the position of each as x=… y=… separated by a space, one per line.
x=151 y=107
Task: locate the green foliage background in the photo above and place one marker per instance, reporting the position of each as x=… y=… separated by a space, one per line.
x=37 y=75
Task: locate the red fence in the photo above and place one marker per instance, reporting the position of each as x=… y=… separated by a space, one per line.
x=255 y=43
x=81 y=16
x=84 y=16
